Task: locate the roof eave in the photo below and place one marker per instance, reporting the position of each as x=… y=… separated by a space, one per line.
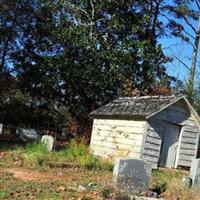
x=176 y=100
x=119 y=116
x=164 y=107
x=192 y=109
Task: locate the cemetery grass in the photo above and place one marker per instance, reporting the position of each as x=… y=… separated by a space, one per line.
x=76 y=154
x=26 y=173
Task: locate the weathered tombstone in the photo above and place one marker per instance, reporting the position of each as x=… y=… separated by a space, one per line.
x=27 y=135
x=1 y=128
x=187 y=181
x=48 y=141
x=195 y=172
x=131 y=175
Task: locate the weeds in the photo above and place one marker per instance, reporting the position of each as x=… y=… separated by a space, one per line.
x=176 y=190
x=36 y=155
x=79 y=153
x=107 y=192
x=160 y=179
x=166 y=182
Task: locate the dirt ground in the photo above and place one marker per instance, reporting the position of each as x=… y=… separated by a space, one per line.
x=21 y=182
x=30 y=175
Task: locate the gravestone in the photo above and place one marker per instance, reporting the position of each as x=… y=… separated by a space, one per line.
x=132 y=175
x=27 y=135
x=48 y=141
x=195 y=172
x=1 y=129
x=187 y=181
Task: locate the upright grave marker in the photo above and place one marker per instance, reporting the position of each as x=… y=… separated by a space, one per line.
x=195 y=172
x=1 y=128
x=131 y=175
x=48 y=141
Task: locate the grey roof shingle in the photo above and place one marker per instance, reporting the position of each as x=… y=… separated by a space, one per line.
x=135 y=106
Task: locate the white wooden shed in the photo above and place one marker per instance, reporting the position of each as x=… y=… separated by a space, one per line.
x=161 y=130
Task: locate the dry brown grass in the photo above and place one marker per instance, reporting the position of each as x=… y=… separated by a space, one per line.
x=177 y=191
x=43 y=182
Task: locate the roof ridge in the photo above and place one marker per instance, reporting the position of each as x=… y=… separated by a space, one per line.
x=149 y=96
x=136 y=105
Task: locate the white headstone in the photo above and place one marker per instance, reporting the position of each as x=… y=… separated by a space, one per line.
x=132 y=175
x=48 y=141
x=195 y=172
x=1 y=128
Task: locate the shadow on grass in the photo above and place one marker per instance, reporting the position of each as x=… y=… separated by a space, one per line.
x=9 y=145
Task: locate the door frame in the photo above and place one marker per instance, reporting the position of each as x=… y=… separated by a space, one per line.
x=178 y=147
x=178 y=144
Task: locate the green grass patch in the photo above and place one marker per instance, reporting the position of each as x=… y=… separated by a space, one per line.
x=3 y=194
x=36 y=155
x=79 y=153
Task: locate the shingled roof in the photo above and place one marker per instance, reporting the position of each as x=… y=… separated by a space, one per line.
x=136 y=106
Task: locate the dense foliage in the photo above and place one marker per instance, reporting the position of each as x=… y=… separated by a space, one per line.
x=59 y=57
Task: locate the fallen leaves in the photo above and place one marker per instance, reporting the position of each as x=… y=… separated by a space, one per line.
x=21 y=183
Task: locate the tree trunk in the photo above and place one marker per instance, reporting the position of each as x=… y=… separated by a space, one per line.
x=3 y=58
x=155 y=17
x=194 y=60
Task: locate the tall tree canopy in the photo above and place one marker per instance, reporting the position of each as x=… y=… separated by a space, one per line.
x=79 y=54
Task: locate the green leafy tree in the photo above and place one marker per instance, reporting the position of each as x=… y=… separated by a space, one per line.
x=79 y=54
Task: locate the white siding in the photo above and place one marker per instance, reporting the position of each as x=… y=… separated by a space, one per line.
x=117 y=138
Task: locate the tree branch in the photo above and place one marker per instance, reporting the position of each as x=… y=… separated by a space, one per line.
x=188 y=34
x=182 y=62
x=189 y=24
x=75 y=8
x=92 y=19
x=169 y=47
x=198 y=4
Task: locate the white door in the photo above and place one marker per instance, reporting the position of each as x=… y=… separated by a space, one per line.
x=169 y=146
